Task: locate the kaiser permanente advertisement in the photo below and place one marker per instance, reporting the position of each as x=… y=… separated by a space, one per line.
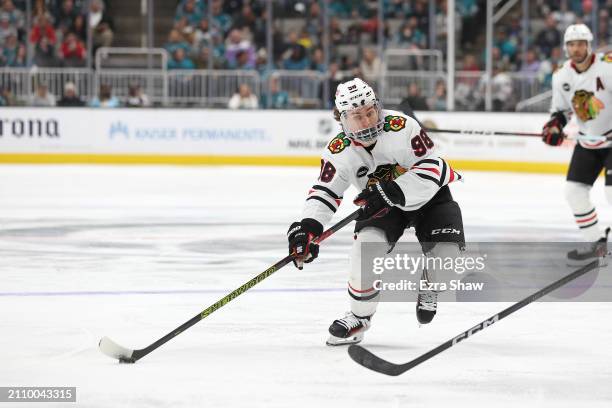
x=173 y=136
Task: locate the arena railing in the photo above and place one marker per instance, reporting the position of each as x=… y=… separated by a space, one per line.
x=214 y=88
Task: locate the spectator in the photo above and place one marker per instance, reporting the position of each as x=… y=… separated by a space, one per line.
x=73 y=51
x=294 y=57
x=317 y=63
x=70 y=98
x=501 y=88
x=549 y=37
x=190 y=11
x=246 y=18
x=9 y=51
x=180 y=61
x=414 y=101
x=470 y=63
x=176 y=41
x=506 y=45
x=396 y=8
x=235 y=44
x=222 y=22
x=335 y=32
x=64 y=16
x=44 y=54
x=370 y=66
x=6 y=29
x=42 y=30
x=261 y=62
x=279 y=99
x=136 y=97
x=22 y=56
x=202 y=35
x=438 y=101
x=101 y=24
x=531 y=64
x=42 y=97
x=243 y=61
x=105 y=98
x=7 y=98
x=243 y=99
x=410 y=35
x=16 y=17
x=78 y=27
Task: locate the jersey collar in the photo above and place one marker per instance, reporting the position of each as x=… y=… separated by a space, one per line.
x=590 y=65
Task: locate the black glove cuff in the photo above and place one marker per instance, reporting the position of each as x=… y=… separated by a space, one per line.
x=312 y=226
x=560 y=117
x=394 y=193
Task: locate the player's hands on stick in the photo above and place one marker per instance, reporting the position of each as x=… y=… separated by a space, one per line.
x=377 y=199
x=552 y=133
x=301 y=237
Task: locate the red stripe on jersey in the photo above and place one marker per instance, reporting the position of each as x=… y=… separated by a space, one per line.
x=360 y=291
x=338 y=201
x=593 y=144
x=433 y=170
x=587 y=220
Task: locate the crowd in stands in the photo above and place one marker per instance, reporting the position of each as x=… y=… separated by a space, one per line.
x=58 y=34
x=232 y=34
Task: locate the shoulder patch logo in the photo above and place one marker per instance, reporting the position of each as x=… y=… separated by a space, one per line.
x=394 y=123
x=586 y=105
x=566 y=87
x=362 y=171
x=338 y=143
x=607 y=57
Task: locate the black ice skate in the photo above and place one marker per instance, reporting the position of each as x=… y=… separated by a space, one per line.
x=590 y=252
x=348 y=330
x=427 y=303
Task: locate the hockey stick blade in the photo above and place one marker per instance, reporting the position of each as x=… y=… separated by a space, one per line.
x=116 y=351
x=125 y=355
x=369 y=360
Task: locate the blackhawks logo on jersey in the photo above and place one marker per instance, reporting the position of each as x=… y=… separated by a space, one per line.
x=586 y=105
x=385 y=172
x=338 y=143
x=394 y=123
x=607 y=57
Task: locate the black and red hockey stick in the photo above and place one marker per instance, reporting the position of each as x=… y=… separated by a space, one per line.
x=373 y=362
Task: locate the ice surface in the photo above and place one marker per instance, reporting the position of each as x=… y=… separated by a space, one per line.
x=133 y=252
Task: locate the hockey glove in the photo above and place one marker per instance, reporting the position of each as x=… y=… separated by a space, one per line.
x=301 y=237
x=552 y=133
x=377 y=199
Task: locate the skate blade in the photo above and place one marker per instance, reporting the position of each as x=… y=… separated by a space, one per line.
x=603 y=261
x=339 y=341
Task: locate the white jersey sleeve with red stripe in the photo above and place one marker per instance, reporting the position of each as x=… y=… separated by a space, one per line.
x=325 y=195
x=425 y=172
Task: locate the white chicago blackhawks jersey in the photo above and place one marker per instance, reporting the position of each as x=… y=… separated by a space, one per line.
x=588 y=95
x=403 y=152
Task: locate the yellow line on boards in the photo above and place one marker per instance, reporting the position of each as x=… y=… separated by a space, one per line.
x=186 y=160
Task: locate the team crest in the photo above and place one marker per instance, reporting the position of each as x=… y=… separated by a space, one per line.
x=394 y=123
x=586 y=105
x=607 y=57
x=385 y=172
x=338 y=143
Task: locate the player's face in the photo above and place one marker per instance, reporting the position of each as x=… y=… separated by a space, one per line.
x=362 y=118
x=577 y=51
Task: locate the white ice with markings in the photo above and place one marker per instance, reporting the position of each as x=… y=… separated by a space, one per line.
x=133 y=252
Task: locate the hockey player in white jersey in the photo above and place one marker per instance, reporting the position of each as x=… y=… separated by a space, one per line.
x=388 y=157
x=583 y=87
